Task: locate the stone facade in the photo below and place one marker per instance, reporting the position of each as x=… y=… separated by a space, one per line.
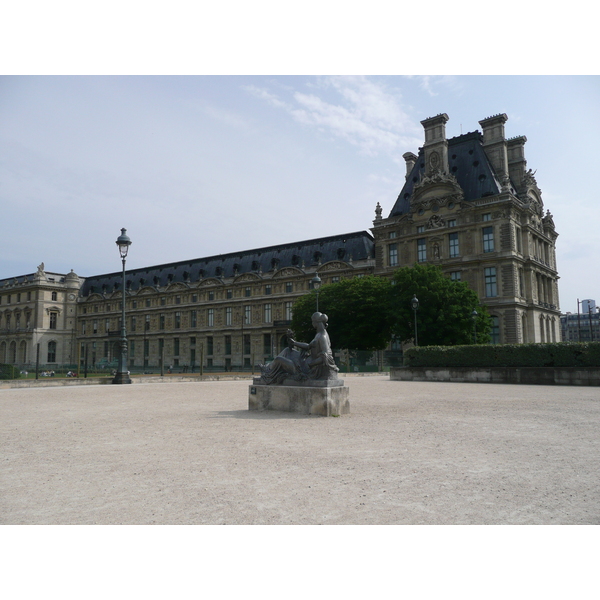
x=39 y=308
x=223 y=312
x=468 y=204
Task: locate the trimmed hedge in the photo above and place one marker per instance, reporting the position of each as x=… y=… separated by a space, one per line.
x=506 y=355
x=9 y=372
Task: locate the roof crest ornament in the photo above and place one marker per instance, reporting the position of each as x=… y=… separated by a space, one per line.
x=378 y=211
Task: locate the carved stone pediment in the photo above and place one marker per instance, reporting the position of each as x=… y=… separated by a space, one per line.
x=288 y=272
x=146 y=290
x=335 y=265
x=247 y=277
x=210 y=282
x=438 y=186
x=177 y=286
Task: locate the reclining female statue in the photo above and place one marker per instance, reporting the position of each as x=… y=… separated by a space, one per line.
x=314 y=361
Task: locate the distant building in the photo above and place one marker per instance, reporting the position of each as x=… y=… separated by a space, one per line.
x=583 y=326
x=588 y=306
x=39 y=310
x=468 y=204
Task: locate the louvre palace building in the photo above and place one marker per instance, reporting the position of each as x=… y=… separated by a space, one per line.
x=468 y=204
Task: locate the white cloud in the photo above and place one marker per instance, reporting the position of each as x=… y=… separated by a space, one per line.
x=364 y=113
x=263 y=94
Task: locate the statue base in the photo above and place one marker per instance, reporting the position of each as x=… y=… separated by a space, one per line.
x=328 y=398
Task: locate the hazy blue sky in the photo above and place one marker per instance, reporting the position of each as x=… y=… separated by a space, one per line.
x=194 y=166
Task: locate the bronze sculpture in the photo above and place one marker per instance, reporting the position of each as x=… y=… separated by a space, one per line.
x=314 y=361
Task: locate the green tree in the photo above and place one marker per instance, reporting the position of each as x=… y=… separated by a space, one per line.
x=444 y=316
x=358 y=311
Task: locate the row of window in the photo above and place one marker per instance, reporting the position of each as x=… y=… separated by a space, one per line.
x=267 y=311
x=453 y=247
x=210 y=296
x=7 y=299
x=9 y=353
x=53 y=323
x=490 y=280
x=267 y=347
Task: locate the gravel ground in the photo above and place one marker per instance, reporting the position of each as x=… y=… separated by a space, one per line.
x=409 y=453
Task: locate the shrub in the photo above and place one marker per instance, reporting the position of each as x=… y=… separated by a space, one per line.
x=506 y=355
x=9 y=372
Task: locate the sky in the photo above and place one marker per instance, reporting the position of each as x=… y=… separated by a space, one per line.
x=207 y=128
x=197 y=166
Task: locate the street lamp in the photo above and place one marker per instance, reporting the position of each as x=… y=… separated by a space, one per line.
x=123 y=242
x=316 y=281
x=474 y=317
x=414 y=303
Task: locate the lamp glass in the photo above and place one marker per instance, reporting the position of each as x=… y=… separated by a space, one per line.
x=123 y=242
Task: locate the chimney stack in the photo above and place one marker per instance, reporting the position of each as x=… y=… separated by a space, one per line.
x=410 y=159
x=494 y=144
x=436 y=144
x=516 y=158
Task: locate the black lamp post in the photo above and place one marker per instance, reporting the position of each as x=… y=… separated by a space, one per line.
x=414 y=303
x=123 y=242
x=474 y=317
x=316 y=281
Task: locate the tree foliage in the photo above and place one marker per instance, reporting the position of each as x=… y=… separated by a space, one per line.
x=365 y=312
x=444 y=316
x=358 y=311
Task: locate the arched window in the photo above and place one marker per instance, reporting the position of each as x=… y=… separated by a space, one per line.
x=542 y=330
x=51 y=352
x=23 y=352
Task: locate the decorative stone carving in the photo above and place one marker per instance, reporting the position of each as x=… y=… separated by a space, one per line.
x=210 y=283
x=289 y=272
x=378 y=211
x=333 y=266
x=435 y=222
x=548 y=221
x=434 y=161
x=529 y=178
x=247 y=277
x=469 y=247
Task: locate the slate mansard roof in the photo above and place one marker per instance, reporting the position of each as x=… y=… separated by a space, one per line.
x=468 y=163
x=346 y=247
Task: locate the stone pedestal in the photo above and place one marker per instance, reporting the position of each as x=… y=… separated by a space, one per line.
x=325 y=398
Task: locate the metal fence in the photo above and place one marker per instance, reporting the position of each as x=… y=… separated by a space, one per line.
x=357 y=361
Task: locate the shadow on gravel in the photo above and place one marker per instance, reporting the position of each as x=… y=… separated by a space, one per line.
x=260 y=415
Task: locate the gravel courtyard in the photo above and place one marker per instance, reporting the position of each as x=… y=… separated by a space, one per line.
x=409 y=453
